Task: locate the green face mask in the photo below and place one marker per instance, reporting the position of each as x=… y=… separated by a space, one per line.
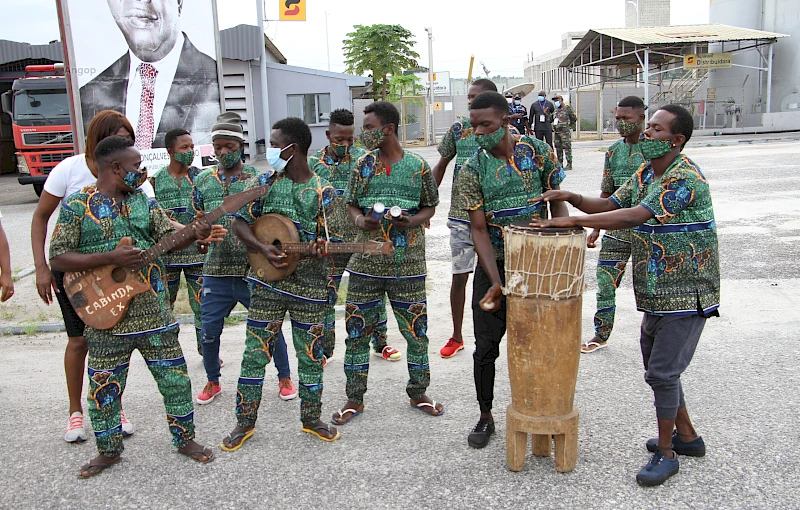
x=654 y=149
x=626 y=128
x=230 y=160
x=184 y=158
x=372 y=138
x=490 y=141
x=340 y=149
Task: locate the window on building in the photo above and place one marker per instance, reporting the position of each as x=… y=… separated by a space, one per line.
x=312 y=108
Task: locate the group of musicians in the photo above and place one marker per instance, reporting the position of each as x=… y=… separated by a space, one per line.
x=655 y=206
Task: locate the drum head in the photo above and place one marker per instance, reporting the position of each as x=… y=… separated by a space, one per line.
x=524 y=226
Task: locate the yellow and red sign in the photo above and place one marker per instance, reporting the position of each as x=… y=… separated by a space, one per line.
x=292 y=10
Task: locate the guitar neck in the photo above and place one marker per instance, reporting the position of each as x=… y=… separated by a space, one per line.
x=229 y=205
x=332 y=248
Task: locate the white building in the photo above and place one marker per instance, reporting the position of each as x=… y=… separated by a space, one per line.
x=647 y=13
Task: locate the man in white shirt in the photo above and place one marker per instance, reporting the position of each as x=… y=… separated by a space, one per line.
x=162 y=82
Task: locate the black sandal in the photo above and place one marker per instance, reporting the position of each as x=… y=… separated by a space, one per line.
x=99 y=465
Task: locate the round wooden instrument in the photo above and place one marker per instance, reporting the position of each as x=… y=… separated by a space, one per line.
x=544 y=281
x=277 y=230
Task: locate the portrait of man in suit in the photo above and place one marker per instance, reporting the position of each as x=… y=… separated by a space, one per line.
x=162 y=82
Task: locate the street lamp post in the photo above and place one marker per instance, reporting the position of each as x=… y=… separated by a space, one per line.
x=432 y=129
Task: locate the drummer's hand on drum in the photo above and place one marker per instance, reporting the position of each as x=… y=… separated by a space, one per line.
x=591 y=240
x=274 y=255
x=561 y=222
x=317 y=248
x=555 y=195
x=491 y=300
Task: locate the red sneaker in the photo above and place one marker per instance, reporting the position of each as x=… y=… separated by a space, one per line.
x=451 y=348
x=210 y=391
x=287 y=389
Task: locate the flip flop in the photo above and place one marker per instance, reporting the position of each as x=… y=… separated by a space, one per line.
x=423 y=406
x=313 y=431
x=342 y=413
x=205 y=451
x=100 y=465
x=243 y=435
x=592 y=346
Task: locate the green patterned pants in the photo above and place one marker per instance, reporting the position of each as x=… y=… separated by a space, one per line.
x=194 y=284
x=563 y=143
x=614 y=254
x=109 y=357
x=378 y=334
x=264 y=323
x=365 y=297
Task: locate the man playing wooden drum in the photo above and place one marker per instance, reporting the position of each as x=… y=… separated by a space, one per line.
x=498 y=186
x=667 y=204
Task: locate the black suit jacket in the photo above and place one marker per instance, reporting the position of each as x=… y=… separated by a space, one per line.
x=537 y=110
x=192 y=104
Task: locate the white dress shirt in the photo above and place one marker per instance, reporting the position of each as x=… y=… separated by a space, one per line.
x=166 y=68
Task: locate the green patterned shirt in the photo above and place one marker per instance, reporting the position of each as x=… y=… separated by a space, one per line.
x=90 y=222
x=675 y=254
x=175 y=196
x=409 y=184
x=228 y=257
x=459 y=142
x=306 y=204
x=621 y=162
x=505 y=190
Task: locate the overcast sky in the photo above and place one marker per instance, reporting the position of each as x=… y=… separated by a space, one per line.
x=500 y=37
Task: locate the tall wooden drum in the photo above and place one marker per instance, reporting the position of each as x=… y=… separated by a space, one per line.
x=544 y=283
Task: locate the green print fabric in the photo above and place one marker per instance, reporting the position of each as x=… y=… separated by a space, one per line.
x=228 y=257
x=505 y=190
x=90 y=222
x=409 y=184
x=675 y=254
x=459 y=142
x=174 y=195
x=621 y=162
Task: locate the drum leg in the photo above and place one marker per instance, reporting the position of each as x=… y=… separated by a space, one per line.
x=567 y=447
x=541 y=445
x=516 y=447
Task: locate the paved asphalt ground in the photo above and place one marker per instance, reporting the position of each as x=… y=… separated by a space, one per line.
x=742 y=390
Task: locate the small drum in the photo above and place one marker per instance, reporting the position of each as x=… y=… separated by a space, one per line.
x=544 y=282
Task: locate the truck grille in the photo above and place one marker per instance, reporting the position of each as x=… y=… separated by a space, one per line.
x=56 y=137
x=53 y=157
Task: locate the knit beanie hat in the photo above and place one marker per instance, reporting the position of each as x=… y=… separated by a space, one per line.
x=228 y=125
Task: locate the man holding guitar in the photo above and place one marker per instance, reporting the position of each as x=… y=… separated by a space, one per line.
x=91 y=233
x=307 y=200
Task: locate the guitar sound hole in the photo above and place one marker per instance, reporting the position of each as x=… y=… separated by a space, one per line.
x=79 y=300
x=277 y=243
x=119 y=274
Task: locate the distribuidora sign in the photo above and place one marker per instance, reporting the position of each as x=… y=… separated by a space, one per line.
x=708 y=61
x=441 y=83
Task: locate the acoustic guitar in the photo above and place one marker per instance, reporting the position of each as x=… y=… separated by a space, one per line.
x=101 y=296
x=280 y=231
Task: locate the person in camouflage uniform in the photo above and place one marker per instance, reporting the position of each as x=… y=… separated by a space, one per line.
x=334 y=163
x=394 y=177
x=225 y=267
x=90 y=225
x=564 y=120
x=307 y=199
x=622 y=160
x=459 y=143
x=676 y=273
x=497 y=186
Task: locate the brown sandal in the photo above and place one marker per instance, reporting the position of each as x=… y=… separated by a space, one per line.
x=98 y=466
x=198 y=453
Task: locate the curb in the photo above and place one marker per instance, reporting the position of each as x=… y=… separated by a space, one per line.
x=52 y=327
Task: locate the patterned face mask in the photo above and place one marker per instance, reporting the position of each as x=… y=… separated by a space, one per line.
x=229 y=160
x=625 y=128
x=490 y=141
x=340 y=149
x=184 y=158
x=372 y=138
x=654 y=149
x=135 y=179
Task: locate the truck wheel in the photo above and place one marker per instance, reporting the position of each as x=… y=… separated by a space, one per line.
x=38 y=188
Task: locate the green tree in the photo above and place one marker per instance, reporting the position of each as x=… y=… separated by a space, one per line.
x=403 y=85
x=381 y=50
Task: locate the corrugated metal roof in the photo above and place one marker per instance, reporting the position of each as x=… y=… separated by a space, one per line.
x=686 y=34
x=241 y=43
x=12 y=51
x=597 y=44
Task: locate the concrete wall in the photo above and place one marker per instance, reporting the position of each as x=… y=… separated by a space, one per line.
x=652 y=13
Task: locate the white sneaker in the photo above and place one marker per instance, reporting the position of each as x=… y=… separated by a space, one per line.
x=127 y=427
x=75 y=431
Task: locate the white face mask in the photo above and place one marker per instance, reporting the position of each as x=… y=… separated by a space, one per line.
x=274 y=158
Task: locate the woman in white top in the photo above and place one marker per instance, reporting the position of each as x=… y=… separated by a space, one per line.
x=68 y=177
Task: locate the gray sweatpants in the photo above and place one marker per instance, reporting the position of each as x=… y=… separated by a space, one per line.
x=668 y=344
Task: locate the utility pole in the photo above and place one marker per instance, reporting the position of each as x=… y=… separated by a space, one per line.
x=432 y=129
x=263 y=66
